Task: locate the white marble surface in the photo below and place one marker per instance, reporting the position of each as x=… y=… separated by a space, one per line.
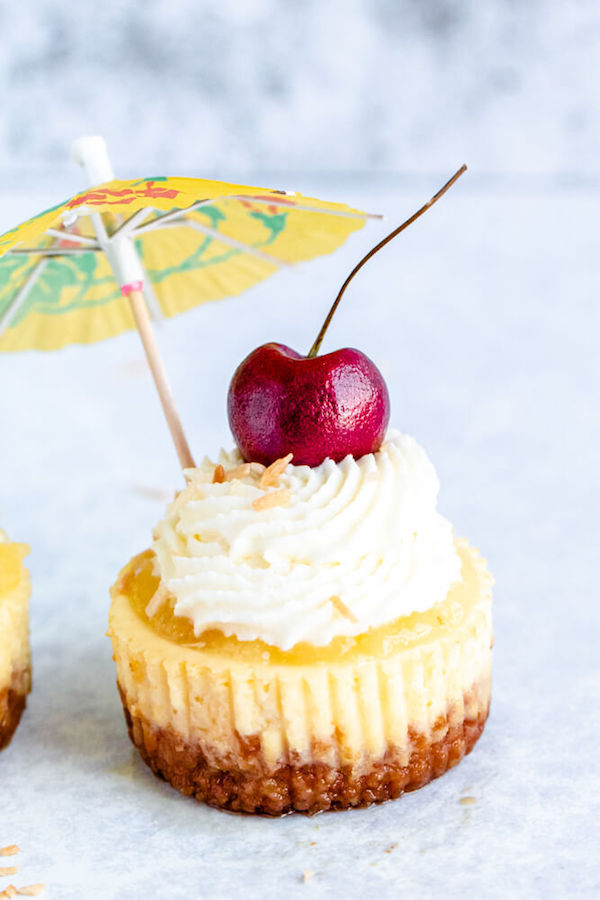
x=485 y=320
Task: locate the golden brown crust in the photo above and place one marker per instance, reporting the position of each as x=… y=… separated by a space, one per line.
x=13 y=700
x=302 y=788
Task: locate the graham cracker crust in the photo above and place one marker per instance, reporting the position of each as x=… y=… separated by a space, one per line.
x=307 y=788
x=13 y=700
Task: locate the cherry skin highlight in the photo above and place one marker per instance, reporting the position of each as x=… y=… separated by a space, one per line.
x=280 y=402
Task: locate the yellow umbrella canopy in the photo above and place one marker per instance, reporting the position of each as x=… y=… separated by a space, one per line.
x=121 y=253
x=196 y=241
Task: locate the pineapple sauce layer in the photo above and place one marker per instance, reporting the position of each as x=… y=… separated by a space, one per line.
x=14 y=611
x=11 y=566
x=139 y=583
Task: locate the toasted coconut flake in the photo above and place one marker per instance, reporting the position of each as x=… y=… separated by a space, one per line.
x=10 y=850
x=342 y=608
x=9 y=891
x=8 y=870
x=31 y=890
x=240 y=471
x=271 y=475
x=219 y=475
x=268 y=501
x=158 y=598
x=181 y=497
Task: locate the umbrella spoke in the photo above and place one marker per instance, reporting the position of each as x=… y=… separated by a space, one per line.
x=71 y=236
x=130 y=224
x=21 y=296
x=270 y=201
x=52 y=251
x=180 y=214
x=159 y=221
x=231 y=242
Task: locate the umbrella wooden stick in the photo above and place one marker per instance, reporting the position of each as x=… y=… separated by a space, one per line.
x=139 y=309
x=92 y=154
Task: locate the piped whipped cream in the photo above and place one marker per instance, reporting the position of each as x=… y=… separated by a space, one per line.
x=348 y=546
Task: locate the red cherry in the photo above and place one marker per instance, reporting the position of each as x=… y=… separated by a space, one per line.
x=334 y=405
x=313 y=406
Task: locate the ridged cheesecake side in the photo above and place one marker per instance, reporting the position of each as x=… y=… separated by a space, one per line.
x=253 y=735
x=15 y=656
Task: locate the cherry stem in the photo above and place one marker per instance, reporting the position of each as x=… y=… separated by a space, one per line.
x=317 y=344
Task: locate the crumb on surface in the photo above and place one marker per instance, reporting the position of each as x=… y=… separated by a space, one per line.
x=307 y=874
x=151 y=493
x=9 y=891
x=10 y=850
x=467 y=801
x=268 y=501
x=391 y=847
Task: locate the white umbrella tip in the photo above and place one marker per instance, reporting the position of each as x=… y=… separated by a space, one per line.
x=91 y=152
x=85 y=144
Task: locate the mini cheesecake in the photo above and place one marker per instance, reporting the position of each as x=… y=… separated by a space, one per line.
x=248 y=727
x=241 y=701
x=15 y=657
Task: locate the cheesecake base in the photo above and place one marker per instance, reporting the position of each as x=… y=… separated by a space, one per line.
x=248 y=785
x=13 y=699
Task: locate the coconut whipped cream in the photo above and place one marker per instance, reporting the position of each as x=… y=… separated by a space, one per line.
x=338 y=549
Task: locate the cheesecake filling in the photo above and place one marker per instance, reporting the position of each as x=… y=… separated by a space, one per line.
x=350 y=704
x=304 y=555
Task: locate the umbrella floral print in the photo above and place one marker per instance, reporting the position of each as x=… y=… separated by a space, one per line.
x=174 y=262
x=115 y=256
x=74 y=297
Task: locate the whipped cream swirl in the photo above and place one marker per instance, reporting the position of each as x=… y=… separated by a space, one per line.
x=356 y=544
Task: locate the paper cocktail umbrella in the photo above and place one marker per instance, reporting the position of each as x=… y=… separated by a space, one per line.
x=122 y=253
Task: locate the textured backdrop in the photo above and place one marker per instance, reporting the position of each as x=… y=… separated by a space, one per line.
x=248 y=85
